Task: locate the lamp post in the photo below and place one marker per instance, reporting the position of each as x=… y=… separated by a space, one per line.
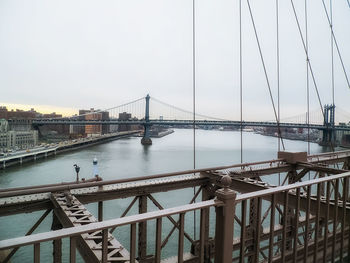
x=77 y=169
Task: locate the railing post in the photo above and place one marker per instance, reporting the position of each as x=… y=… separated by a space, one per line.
x=142 y=240
x=205 y=221
x=224 y=222
x=57 y=243
x=100 y=211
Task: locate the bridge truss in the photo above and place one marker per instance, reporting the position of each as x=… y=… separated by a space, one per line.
x=244 y=216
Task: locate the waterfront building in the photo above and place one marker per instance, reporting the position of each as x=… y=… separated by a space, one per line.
x=125 y=116
x=91 y=130
x=19 y=137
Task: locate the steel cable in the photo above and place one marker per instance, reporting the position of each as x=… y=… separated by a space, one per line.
x=194 y=102
x=310 y=67
x=241 y=75
x=336 y=43
x=266 y=76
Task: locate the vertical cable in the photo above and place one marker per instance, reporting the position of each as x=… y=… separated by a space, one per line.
x=332 y=47
x=265 y=73
x=307 y=81
x=278 y=78
x=194 y=102
x=241 y=75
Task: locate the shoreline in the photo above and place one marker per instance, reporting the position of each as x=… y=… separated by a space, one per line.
x=14 y=160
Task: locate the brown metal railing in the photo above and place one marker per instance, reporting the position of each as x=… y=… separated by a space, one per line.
x=312 y=227
x=104 y=226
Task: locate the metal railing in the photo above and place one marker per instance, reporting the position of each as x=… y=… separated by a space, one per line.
x=313 y=225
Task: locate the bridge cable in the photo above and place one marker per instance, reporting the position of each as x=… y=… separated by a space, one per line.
x=278 y=87
x=307 y=79
x=194 y=103
x=187 y=111
x=266 y=76
x=278 y=73
x=310 y=67
x=241 y=75
x=307 y=56
x=108 y=109
x=332 y=48
x=336 y=43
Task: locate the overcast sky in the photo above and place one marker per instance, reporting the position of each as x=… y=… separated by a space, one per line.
x=89 y=53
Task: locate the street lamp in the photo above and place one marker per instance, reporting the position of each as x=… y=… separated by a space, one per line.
x=77 y=169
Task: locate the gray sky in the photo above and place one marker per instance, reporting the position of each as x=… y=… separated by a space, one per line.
x=89 y=53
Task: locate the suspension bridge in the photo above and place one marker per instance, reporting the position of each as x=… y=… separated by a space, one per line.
x=243 y=216
x=148 y=111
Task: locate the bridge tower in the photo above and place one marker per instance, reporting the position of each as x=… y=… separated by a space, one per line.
x=146 y=139
x=329 y=135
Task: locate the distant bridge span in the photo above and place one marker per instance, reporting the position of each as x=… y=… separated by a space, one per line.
x=187 y=123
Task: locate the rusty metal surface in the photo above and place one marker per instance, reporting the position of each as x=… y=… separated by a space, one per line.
x=43 y=237
x=72 y=213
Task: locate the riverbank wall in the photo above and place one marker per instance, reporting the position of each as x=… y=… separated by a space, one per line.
x=14 y=160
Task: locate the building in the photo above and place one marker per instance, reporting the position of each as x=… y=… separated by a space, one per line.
x=124 y=117
x=17 y=114
x=91 y=130
x=16 y=138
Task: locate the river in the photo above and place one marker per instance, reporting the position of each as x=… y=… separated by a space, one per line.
x=127 y=158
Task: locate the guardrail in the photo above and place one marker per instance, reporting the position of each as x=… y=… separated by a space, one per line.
x=314 y=225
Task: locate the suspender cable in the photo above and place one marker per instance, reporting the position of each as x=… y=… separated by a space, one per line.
x=241 y=75
x=278 y=70
x=307 y=58
x=332 y=58
x=194 y=102
x=266 y=76
x=278 y=76
x=336 y=43
x=307 y=80
x=309 y=65
x=332 y=48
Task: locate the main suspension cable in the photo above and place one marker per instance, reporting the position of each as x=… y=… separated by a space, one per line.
x=266 y=76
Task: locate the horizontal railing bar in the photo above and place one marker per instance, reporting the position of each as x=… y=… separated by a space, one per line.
x=74 y=231
x=38 y=189
x=10 y=192
x=328 y=154
x=283 y=188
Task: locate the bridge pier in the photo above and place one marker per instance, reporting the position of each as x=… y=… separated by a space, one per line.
x=146 y=139
x=329 y=134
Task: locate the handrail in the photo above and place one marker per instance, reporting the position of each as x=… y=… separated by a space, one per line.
x=78 y=230
x=55 y=187
x=47 y=236
x=10 y=192
x=284 y=188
